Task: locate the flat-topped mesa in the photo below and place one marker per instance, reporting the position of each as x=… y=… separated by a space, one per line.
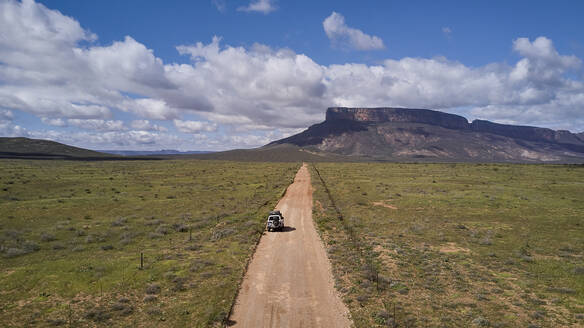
x=402 y=115
x=389 y=133
x=450 y=121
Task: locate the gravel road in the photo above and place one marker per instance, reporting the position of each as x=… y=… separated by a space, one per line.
x=289 y=281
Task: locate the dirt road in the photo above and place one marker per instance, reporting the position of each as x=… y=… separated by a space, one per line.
x=289 y=281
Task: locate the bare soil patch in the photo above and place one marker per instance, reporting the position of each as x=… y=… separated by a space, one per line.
x=382 y=203
x=452 y=248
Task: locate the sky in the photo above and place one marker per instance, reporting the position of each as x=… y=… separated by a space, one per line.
x=224 y=74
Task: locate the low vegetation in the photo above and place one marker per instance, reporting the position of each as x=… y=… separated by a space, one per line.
x=455 y=245
x=72 y=235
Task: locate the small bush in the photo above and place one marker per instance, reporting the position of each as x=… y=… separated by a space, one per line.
x=207 y=275
x=162 y=229
x=179 y=284
x=14 y=252
x=153 y=289
x=486 y=241
x=153 y=222
x=58 y=247
x=46 y=237
x=13 y=234
x=97 y=315
x=562 y=290
x=481 y=322
x=222 y=233
x=200 y=264
x=119 y=222
x=155 y=235
x=169 y=275
x=56 y=322
x=30 y=246
x=150 y=298
x=25 y=248
x=153 y=310
x=179 y=227
x=362 y=298
x=383 y=315
x=194 y=247
x=122 y=308
x=126 y=238
x=125 y=241
x=124 y=300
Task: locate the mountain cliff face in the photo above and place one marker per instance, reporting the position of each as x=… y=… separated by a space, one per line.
x=402 y=133
x=397 y=115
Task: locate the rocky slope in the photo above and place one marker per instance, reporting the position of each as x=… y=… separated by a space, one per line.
x=403 y=134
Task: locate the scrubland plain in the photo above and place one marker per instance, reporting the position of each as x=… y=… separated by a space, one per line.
x=411 y=245
x=455 y=245
x=71 y=235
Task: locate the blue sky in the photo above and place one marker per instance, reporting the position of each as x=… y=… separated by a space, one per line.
x=221 y=74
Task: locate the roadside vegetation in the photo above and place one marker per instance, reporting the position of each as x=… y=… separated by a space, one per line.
x=72 y=235
x=455 y=245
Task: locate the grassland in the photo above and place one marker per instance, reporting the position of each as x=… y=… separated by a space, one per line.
x=71 y=235
x=455 y=245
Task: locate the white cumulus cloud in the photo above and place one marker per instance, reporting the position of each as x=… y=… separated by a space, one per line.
x=146 y=125
x=97 y=125
x=253 y=86
x=262 y=6
x=6 y=115
x=337 y=31
x=9 y=129
x=194 y=126
x=54 y=121
x=221 y=5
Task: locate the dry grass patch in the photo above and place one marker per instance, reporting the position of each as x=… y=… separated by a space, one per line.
x=72 y=235
x=471 y=245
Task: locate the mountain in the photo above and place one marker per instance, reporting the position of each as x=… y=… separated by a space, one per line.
x=395 y=134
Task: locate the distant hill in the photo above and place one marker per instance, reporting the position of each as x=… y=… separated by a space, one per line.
x=402 y=134
x=152 y=152
x=46 y=149
x=25 y=148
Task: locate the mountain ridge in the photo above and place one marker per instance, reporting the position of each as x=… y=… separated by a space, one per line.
x=449 y=121
x=389 y=133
